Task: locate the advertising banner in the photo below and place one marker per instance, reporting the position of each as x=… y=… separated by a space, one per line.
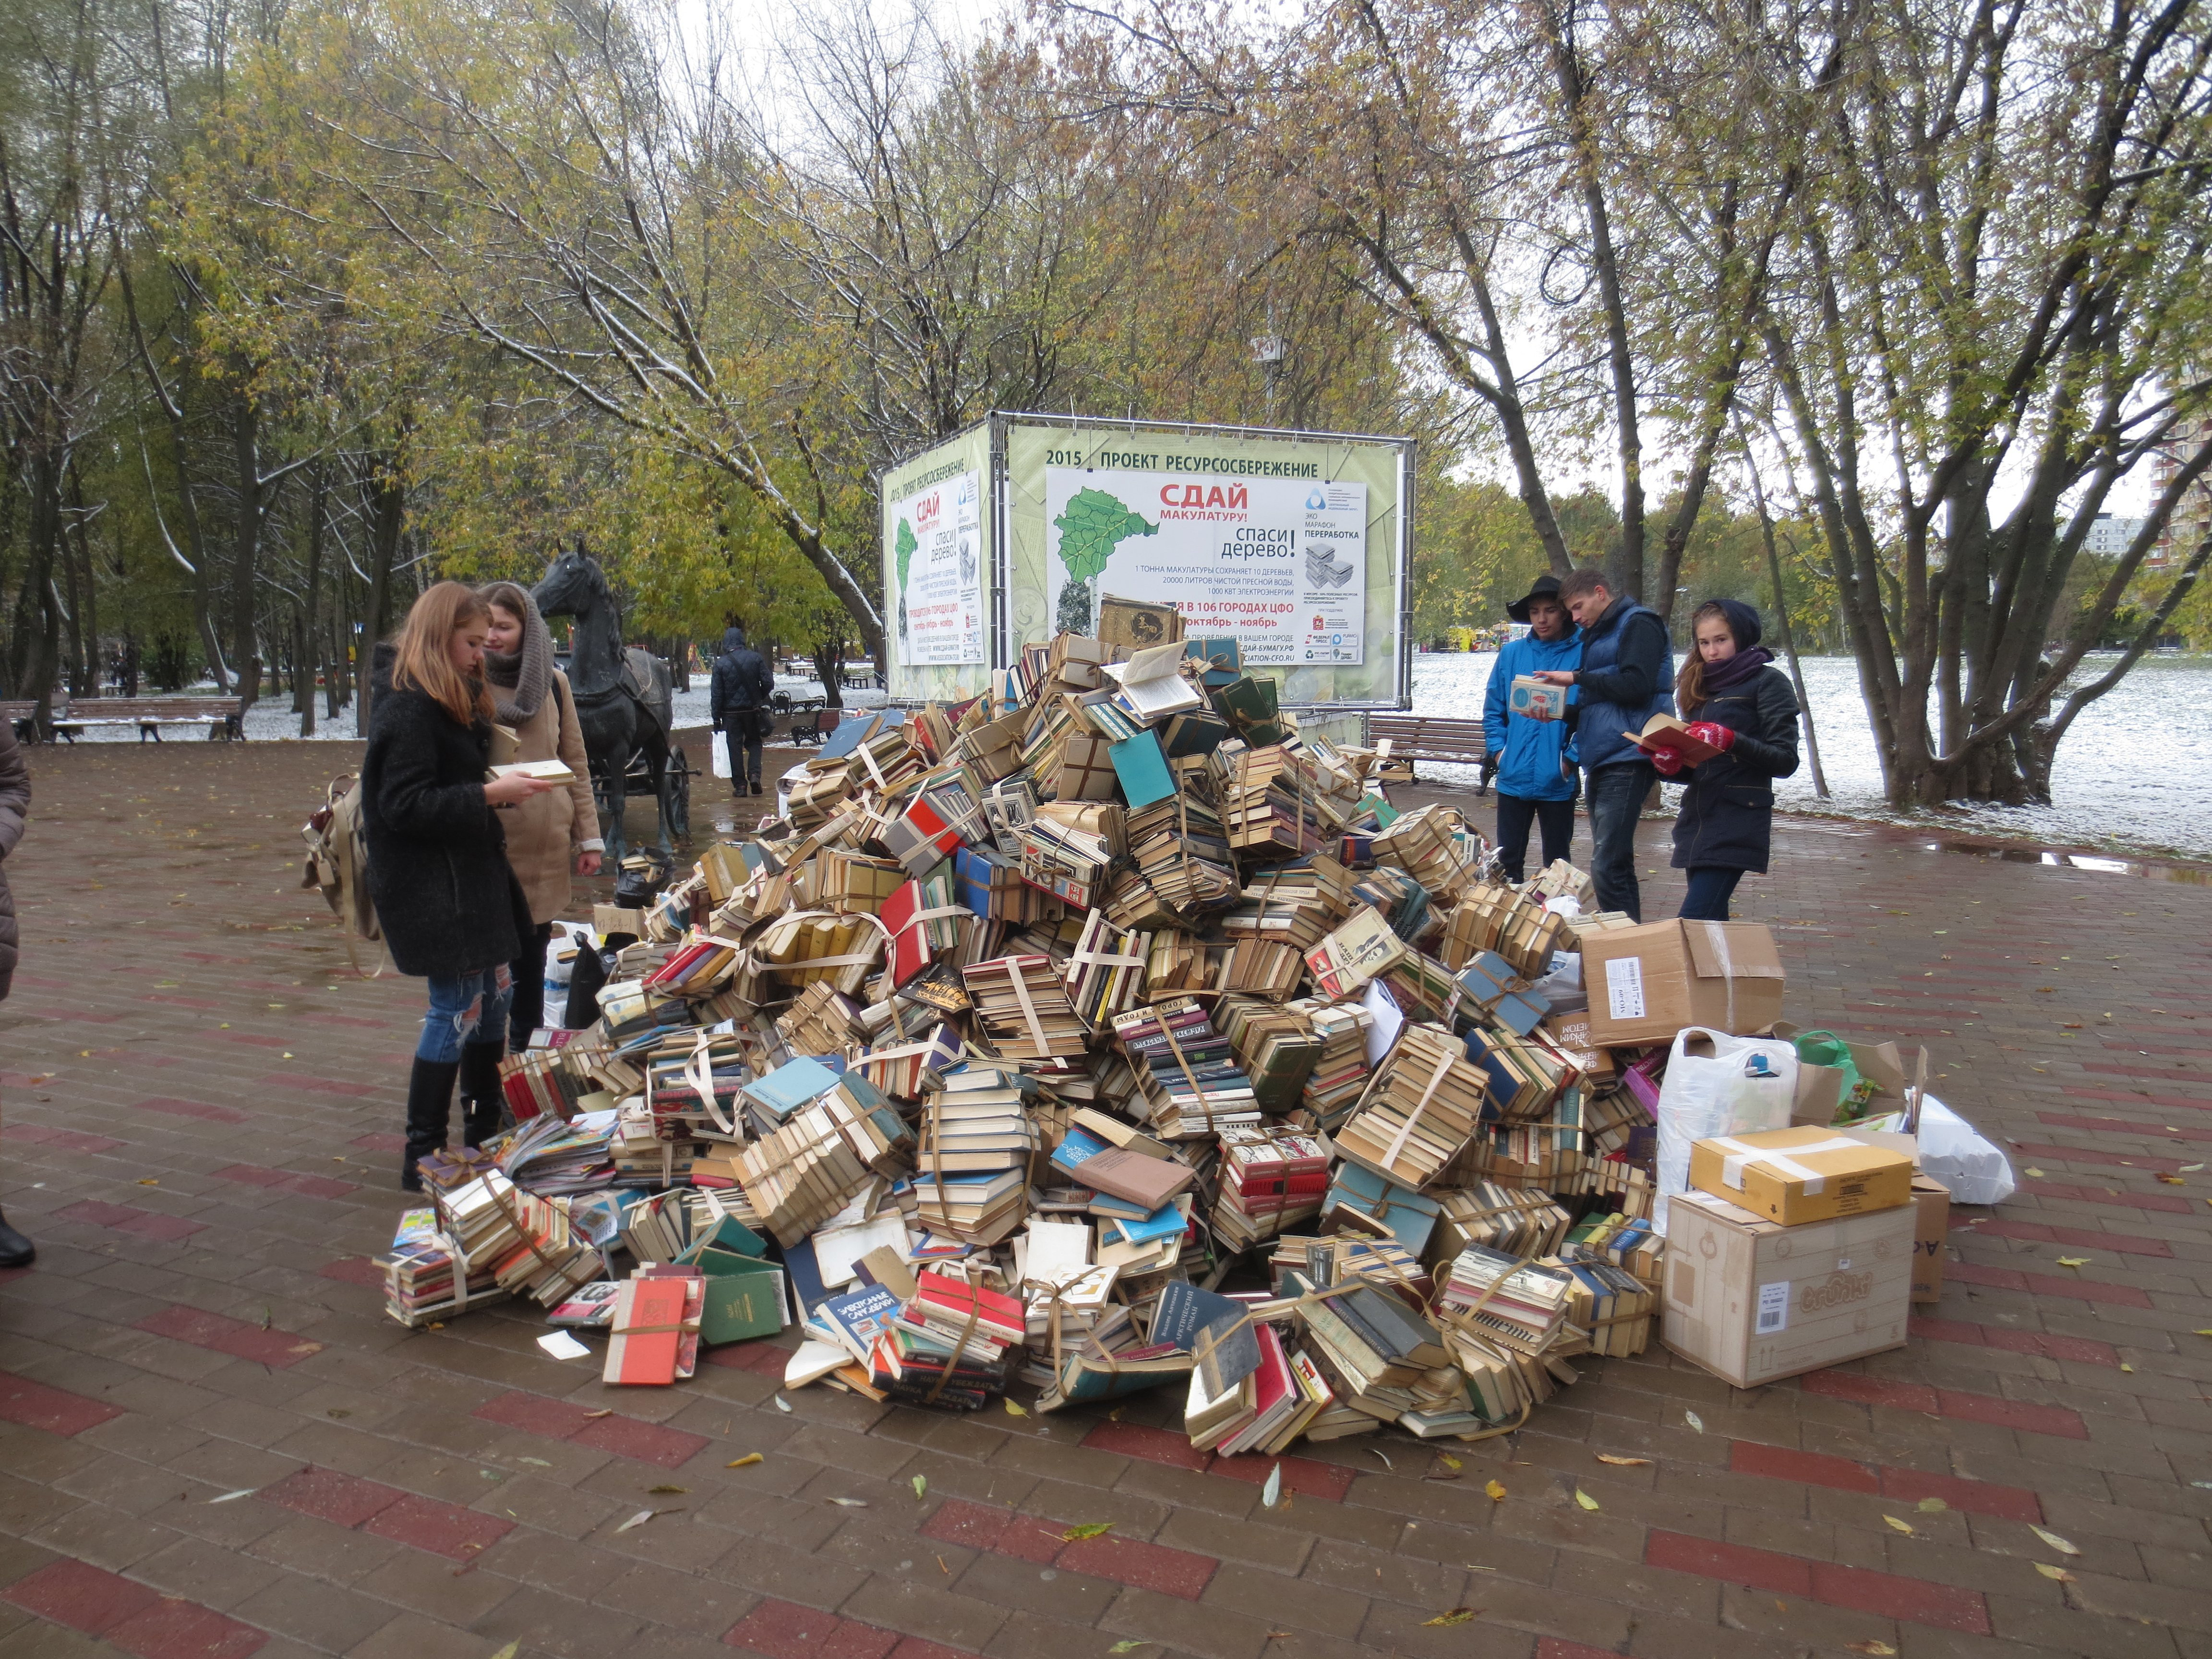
x=937 y=572
x=1280 y=563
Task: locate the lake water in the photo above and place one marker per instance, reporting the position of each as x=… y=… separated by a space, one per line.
x=2134 y=773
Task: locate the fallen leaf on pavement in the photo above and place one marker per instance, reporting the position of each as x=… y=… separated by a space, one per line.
x=660 y=1489
x=1584 y=1498
x=1877 y=1649
x=850 y=1503
x=1694 y=1421
x=1905 y=1527
x=1931 y=1506
x=920 y=1485
x=1623 y=1462
x=746 y=1461
x=2055 y=1541
x=637 y=1520
x=1496 y=1492
x=1013 y=1410
x=1456 y=1616
x=2058 y=1573
x=2074 y=1260
x=1088 y=1529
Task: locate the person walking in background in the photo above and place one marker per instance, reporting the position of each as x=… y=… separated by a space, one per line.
x=451 y=910
x=16 y=1251
x=1740 y=704
x=1622 y=683
x=737 y=697
x=1532 y=782
x=549 y=835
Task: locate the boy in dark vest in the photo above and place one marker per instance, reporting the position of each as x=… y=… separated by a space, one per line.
x=1627 y=676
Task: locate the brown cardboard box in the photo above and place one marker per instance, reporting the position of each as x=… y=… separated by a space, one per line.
x=1931 y=1233
x=1647 y=983
x=1803 y=1175
x=1752 y=1301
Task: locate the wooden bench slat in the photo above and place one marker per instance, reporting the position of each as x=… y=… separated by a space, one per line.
x=1429 y=737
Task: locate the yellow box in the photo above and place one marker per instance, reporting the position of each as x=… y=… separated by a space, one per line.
x=1794 y=1176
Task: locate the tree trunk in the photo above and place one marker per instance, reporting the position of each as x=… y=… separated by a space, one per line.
x=244 y=650
x=387 y=516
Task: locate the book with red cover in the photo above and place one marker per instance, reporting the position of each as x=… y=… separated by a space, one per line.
x=910 y=953
x=998 y=1316
x=1275 y=1394
x=647 y=1331
x=1665 y=731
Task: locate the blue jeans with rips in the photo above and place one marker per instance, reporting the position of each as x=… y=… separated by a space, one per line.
x=461 y=1007
x=1616 y=802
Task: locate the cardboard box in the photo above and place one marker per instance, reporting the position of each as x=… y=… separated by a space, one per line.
x=1931 y=1205
x=1647 y=983
x=1804 y=1175
x=1752 y=1301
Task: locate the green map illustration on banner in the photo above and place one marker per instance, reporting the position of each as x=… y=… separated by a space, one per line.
x=1091 y=526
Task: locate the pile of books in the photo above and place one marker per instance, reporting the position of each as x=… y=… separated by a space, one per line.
x=1510 y=923
x=1420 y=1109
x=1023 y=1008
x=1271 y=1180
x=1186 y=1075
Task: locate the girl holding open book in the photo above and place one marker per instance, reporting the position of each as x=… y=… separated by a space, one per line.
x=552 y=834
x=1739 y=704
x=452 y=910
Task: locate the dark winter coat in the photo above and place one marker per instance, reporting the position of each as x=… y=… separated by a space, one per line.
x=14 y=807
x=1727 y=817
x=437 y=854
x=1627 y=676
x=741 y=681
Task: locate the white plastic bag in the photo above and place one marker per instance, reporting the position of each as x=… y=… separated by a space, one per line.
x=1718 y=1085
x=1954 y=1152
x=569 y=937
x=717 y=747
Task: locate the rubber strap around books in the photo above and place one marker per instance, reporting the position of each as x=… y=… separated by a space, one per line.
x=974 y=1314
x=1175 y=1048
x=452 y=1246
x=1435 y=1079
x=1029 y=1010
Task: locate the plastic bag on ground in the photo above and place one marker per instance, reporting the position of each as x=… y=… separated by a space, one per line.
x=1954 y=1152
x=1717 y=1085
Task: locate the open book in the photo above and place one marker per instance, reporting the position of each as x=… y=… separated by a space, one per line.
x=1665 y=731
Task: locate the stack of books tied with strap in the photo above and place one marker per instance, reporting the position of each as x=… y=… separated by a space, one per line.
x=1421 y=1107
x=1187 y=1074
x=1513 y=925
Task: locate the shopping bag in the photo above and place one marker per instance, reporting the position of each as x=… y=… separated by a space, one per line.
x=1717 y=1085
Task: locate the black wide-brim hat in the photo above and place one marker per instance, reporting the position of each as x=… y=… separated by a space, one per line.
x=1546 y=586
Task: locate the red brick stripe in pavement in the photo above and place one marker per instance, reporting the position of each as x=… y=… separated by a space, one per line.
x=764 y=1358
x=2056 y=1420
x=319 y=1084
x=121 y=1217
x=280 y=1350
x=1906 y=1485
x=55 y=1410
x=289 y=1180
x=562 y=1420
x=198 y=1109
x=1129 y=1561
x=2038 y=1149
x=1301 y=1475
x=2075 y=1288
x=1550 y=1647
x=2173 y=1203
x=1884 y=1594
x=370 y=1506
x=2177 y=1101
x=2121 y=1125
x=353 y=1270
x=2036 y=1232
x=784 y=1630
x=128 y=1615
x=2041 y=1343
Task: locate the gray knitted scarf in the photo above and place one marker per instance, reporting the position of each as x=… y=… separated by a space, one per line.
x=518 y=683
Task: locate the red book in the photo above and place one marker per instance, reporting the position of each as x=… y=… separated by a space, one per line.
x=645 y=1333
x=910 y=951
x=998 y=1316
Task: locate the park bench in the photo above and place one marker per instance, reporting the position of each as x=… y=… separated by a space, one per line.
x=1426 y=737
x=22 y=713
x=222 y=716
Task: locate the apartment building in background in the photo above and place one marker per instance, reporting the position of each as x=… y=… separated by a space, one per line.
x=2193 y=518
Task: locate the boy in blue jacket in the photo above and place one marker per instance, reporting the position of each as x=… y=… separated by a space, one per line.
x=1532 y=782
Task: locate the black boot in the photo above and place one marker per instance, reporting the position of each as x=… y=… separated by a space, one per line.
x=482 y=1096
x=430 y=1114
x=16 y=1251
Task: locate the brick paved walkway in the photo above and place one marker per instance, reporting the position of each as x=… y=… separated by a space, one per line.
x=212 y=1443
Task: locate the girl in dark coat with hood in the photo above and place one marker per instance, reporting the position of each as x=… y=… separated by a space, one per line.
x=451 y=910
x=1738 y=702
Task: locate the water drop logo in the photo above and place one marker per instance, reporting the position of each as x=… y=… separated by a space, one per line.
x=1316 y=503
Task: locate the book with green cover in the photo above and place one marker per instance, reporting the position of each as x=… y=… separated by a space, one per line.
x=740 y=1305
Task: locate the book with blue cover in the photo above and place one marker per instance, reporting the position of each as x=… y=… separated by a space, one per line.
x=1142 y=768
x=1076 y=1149
x=856 y=1318
x=1163 y=1223
x=790 y=1086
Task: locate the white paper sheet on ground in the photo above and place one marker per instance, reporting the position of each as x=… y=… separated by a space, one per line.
x=1379 y=1002
x=812 y=1361
x=838 y=1250
x=562 y=1346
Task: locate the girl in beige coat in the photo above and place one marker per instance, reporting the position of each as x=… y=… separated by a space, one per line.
x=549 y=835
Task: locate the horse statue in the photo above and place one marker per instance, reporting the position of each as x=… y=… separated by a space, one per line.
x=625 y=698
